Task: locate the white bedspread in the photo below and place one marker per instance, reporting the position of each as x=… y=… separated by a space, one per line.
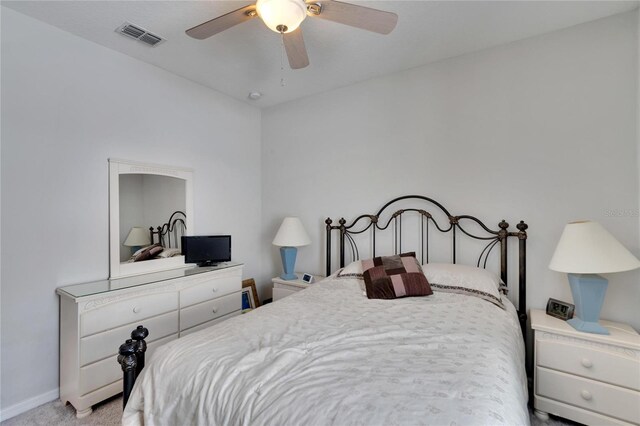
x=328 y=355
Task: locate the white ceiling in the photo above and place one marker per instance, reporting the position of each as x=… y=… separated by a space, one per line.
x=247 y=57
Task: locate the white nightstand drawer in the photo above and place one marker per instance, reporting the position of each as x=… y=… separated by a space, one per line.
x=293 y=287
x=127 y=311
x=600 y=397
x=212 y=309
x=102 y=373
x=216 y=287
x=589 y=361
x=98 y=346
x=280 y=293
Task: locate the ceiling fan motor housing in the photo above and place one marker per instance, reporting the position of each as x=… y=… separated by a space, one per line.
x=282 y=16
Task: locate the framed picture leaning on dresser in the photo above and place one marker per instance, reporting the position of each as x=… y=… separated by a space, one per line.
x=250 y=298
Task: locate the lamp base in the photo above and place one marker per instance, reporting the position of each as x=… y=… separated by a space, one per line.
x=587 y=327
x=288 y=255
x=588 y=292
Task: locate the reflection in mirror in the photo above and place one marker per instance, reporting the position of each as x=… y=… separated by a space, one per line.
x=150 y=201
x=148 y=205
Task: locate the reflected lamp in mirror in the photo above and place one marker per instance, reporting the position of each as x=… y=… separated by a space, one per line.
x=586 y=249
x=137 y=238
x=290 y=235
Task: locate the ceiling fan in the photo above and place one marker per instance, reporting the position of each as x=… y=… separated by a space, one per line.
x=285 y=17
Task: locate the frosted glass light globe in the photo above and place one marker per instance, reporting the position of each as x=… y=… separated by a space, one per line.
x=282 y=15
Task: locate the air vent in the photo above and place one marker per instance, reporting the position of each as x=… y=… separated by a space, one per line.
x=139 y=34
x=150 y=39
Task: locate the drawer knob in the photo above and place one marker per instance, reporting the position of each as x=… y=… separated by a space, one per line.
x=586 y=363
x=215 y=310
x=136 y=310
x=214 y=289
x=586 y=395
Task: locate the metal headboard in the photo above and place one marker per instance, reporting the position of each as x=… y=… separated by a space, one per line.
x=376 y=222
x=175 y=225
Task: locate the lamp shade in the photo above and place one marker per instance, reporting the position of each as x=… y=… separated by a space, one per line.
x=291 y=234
x=137 y=237
x=282 y=15
x=585 y=247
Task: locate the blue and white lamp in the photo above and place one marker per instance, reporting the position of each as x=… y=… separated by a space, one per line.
x=290 y=235
x=586 y=249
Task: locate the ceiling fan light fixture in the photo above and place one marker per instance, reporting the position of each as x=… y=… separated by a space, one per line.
x=282 y=16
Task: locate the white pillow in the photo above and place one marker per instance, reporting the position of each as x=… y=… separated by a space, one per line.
x=352 y=270
x=170 y=252
x=464 y=279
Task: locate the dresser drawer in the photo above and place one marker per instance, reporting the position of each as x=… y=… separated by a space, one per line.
x=211 y=289
x=589 y=361
x=212 y=309
x=208 y=324
x=603 y=398
x=127 y=311
x=99 y=346
x=107 y=371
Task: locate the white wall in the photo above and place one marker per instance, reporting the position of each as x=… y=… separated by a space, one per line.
x=67 y=106
x=542 y=129
x=131 y=209
x=162 y=196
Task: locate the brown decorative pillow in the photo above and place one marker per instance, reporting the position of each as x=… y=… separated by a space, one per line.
x=148 y=253
x=391 y=277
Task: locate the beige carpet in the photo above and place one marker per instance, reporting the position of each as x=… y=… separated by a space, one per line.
x=106 y=413
x=110 y=412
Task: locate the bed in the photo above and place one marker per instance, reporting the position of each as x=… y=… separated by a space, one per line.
x=330 y=355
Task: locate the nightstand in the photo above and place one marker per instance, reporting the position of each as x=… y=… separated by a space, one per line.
x=283 y=288
x=588 y=378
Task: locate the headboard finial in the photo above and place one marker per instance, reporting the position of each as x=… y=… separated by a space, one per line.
x=522 y=227
x=503 y=233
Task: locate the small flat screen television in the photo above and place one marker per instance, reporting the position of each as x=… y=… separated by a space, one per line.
x=206 y=250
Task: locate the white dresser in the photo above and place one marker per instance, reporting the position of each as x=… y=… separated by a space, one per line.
x=95 y=318
x=590 y=378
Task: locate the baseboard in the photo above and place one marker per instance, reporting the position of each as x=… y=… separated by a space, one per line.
x=28 y=404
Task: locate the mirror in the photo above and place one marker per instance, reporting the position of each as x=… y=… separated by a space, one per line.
x=143 y=196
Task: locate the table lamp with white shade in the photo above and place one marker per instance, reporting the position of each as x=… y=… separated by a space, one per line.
x=586 y=249
x=138 y=237
x=290 y=236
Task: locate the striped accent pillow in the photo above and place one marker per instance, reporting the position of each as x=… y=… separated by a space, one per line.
x=464 y=279
x=391 y=277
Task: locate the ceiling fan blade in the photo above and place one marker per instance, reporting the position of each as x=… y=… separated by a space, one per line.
x=362 y=17
x=221 y=23
x=296 y=52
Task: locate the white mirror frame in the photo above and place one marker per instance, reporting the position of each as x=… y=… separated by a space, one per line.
x=120 y=167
